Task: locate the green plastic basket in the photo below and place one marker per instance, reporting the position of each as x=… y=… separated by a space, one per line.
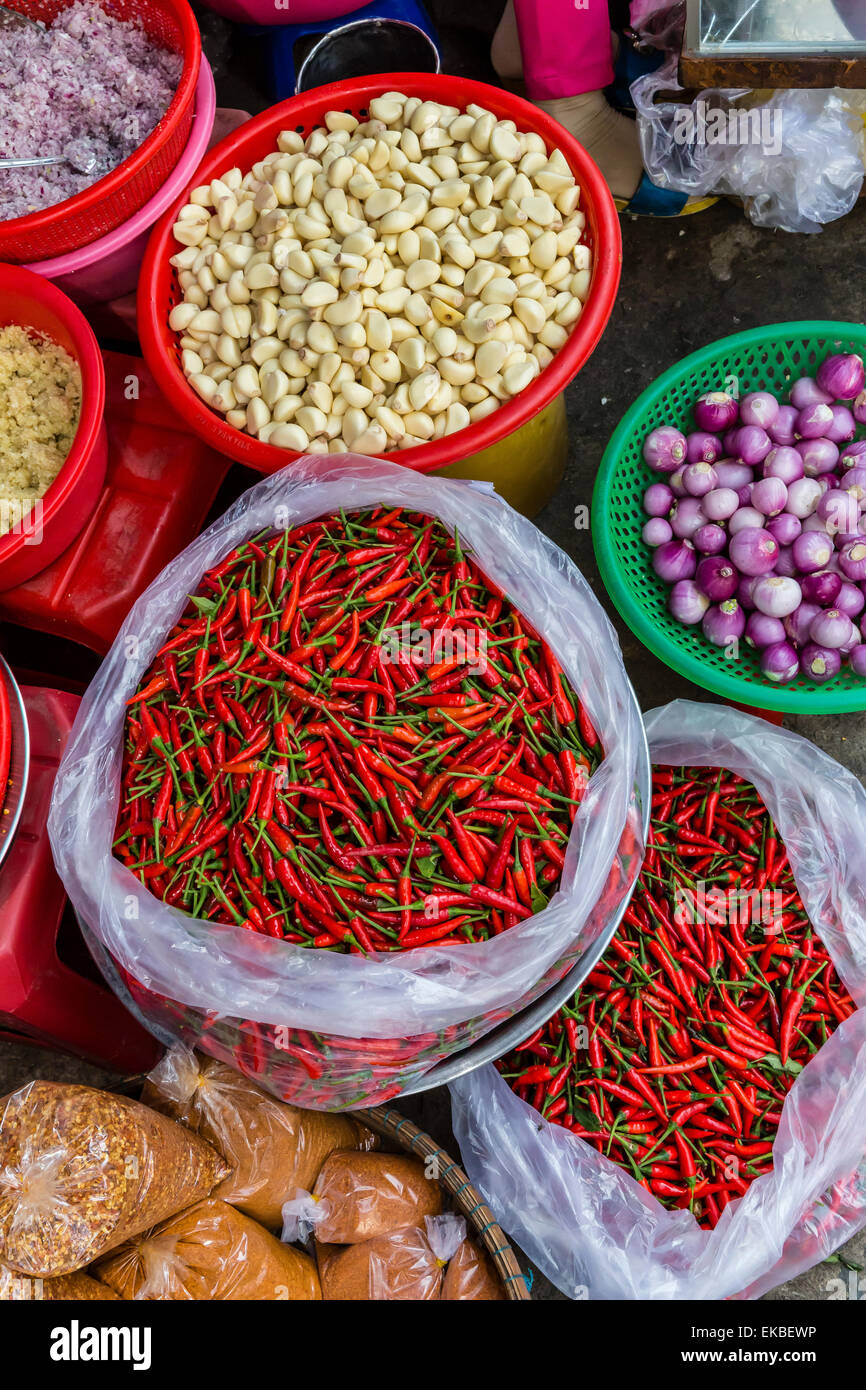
x=761 y=358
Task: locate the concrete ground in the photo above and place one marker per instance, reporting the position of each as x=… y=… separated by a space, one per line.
x=685 y=282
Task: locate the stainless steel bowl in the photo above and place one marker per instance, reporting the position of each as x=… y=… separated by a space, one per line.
x=514 y=1030
x=367 y=47
x=19 y=764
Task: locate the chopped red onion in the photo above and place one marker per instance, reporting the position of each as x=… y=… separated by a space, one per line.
x=658 y=499
x=763 y=631
x=842 y=376
x=665 y=449
x=89 y=80
x=716 y=411
x=754 y=551
x=759 y=408
x=776 y=596
x=686 y=602
x=779 y=662
x=717 y=577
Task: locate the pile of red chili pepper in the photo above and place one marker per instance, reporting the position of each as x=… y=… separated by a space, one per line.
x=286 y=771
x=675 y=1056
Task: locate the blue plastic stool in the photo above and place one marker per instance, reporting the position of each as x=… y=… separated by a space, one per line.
x=281 y=46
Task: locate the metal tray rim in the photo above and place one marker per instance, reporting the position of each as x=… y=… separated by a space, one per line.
x=501 y=1039
x=19 y=765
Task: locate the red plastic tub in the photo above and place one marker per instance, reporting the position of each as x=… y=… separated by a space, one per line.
x=158 y=290
x=105 y=204
x=35 y=303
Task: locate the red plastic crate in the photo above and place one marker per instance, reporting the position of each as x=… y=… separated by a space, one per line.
x=51 y=993
x=160 y=485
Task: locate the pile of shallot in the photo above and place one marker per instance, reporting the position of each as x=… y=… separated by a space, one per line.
x=760 y=522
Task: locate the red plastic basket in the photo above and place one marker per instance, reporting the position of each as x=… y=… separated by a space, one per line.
x=105 y=204
x=158 y=290
x=36 y=304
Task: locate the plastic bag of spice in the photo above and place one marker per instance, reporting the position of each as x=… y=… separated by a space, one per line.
x=210 y=1253
x=392 y=1267
x=82 y=1170
x=68 y=1288
x=328 y=1030
x=471 y=1276
x=366 y=1195
x=581 y=1218
x=272 y=1148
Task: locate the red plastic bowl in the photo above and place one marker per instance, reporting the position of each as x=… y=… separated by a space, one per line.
x=35 y=303
x=97 y=210
x=158 y=290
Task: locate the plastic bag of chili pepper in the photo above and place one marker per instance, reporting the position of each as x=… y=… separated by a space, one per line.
x=705 y=1093
x=306 y=829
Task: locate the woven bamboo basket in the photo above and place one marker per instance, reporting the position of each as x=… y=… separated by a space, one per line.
x=390 y=1124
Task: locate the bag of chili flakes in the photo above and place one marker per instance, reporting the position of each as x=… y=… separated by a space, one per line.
x=321 y=1029
x=586 y=1222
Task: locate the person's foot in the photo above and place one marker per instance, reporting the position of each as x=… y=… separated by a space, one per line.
x=610 y=138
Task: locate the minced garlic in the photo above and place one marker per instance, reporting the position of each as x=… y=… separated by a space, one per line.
x=40 y=403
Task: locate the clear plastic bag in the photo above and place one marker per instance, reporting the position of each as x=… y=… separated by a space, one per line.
x=67 y=1288
x=369 y=1194
x=232 y=992
x=210 y=1253
x=272 y=1148
x=471 y=1277
x=82 y=1170
x=399 y=1266
x=795 y=158
x=586 y=1223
